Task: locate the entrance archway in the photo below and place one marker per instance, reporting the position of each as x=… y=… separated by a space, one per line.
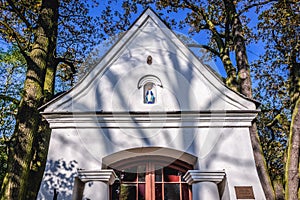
x=150 y=173
x=150 y=178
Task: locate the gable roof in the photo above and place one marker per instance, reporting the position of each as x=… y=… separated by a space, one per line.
x=134 y=35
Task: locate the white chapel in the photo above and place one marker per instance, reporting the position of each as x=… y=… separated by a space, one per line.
x=150 y=122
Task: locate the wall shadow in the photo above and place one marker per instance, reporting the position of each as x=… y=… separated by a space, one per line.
x=58 y=180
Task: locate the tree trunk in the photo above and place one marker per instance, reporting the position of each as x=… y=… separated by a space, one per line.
x=38 y=163
x=292 y=163
x=42 y=138
x=279 y=190
x=245 y=86
x=41 y=141
x=231 y=80
x=260 y=163
x=16 y=184
x=244 y=78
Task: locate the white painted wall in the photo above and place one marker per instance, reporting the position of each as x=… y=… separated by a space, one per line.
x=216 y=149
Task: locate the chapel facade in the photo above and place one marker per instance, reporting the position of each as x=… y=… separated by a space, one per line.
x=150 y=121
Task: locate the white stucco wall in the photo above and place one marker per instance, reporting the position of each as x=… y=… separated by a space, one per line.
x=216 y=149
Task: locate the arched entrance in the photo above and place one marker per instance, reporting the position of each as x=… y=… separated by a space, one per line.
x=150 y=173
x=150 y=178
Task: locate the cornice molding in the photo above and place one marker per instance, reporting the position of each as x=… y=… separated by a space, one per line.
x=195 y=176
x=107 y=175
x=177 y=119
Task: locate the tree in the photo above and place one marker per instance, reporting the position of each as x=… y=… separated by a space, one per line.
x=226 y=31
x=280 y=30
x=49 y=34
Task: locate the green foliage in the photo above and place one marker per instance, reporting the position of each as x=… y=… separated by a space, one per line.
x=279 y=29
x=274 y=119
x=274 y=141
x=277 y=75
x=12 y=70
x=78 y=32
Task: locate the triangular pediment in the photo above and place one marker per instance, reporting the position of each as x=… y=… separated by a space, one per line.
x=149 y=52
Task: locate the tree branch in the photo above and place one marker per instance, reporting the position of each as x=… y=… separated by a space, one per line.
x=12 y=33
x=9 y=98
x=214 y=51
x=68 y=62
x=246 y=8
x=18 y=12
x=210 y=24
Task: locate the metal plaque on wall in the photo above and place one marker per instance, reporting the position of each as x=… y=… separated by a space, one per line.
x=244 y=192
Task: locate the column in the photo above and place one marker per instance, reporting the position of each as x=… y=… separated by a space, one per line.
x=204 y=183
x=78 y=189
x=100 y=179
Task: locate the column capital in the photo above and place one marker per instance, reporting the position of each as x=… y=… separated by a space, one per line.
x=194 y=176
x=104 y=175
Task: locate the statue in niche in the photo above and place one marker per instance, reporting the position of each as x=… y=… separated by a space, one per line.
x=149 y=93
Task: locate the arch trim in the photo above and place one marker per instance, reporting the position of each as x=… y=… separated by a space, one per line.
x=148 y=151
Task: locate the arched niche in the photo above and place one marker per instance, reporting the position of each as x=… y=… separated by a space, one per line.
x=149 y=83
